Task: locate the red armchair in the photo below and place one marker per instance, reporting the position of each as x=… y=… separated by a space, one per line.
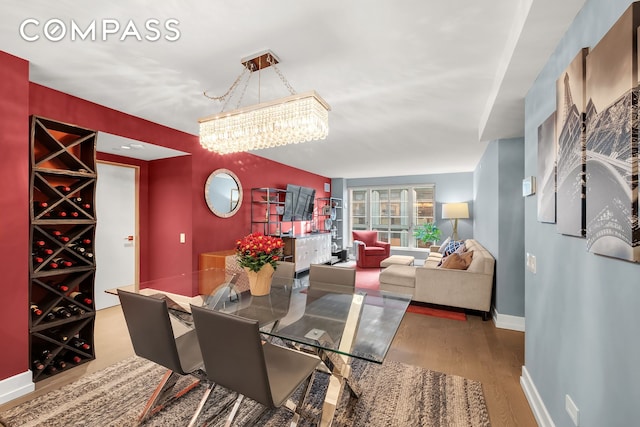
x=370 y=251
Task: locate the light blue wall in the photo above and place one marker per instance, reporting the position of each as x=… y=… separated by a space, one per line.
x=450 y=187
x=582 y=335
x=499 y=218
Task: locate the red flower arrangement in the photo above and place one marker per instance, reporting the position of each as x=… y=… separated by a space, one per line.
x=255 y=250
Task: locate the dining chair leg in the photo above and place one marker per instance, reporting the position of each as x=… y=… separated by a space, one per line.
x=204 y=399
x=234 y=411
x=162 y=394
x=298 y=408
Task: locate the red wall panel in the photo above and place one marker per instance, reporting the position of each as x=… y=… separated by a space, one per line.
x=170 y=202
x=14 y=215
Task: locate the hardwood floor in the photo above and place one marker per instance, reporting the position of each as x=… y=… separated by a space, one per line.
x=473 y=349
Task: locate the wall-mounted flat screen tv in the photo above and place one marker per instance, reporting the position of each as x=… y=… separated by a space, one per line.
x=299 y=203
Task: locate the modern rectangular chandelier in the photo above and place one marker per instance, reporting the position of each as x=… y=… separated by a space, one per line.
x=289 y=120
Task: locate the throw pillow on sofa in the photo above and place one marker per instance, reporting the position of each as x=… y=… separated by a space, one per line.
x=461 y=249
x=452 y=247
x=457 y=261
x=444 y=245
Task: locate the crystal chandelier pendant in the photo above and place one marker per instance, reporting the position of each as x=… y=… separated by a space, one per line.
x=289 y=120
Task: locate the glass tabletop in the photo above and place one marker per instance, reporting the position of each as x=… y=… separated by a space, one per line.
x=360 y=324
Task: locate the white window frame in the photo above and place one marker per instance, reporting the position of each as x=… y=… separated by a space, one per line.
x=411 y=209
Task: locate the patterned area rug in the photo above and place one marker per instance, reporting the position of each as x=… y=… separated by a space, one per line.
x=394 y=394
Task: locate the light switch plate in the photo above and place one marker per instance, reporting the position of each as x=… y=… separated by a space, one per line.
x=531 y=263
x=572 y=410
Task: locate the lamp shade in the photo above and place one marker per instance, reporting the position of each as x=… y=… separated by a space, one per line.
x=455 y=210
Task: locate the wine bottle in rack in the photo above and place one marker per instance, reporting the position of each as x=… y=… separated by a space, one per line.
x=42 y=251
x=49 y=317
x=60 y=213
x=59 y=363
x=60 y=236
x=61 y=287
x=77 y=247
x=59 y=335
x=80 y=344
x=39 y=243
x=81 y=298
x=79 y=202
x=62 y=263
x=39 y=206
x=51 y=370
x=35 y=310
x=72 y=358
x=45 y=355
x=53 y=265
x=37 y=365
x=37 y=259
x=61 y=312
x=75 y=310
x=87 y=254
x=63 y=189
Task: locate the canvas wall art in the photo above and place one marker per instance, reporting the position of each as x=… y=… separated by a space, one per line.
x=570 y=136
x=612 y=141
x=547 y=170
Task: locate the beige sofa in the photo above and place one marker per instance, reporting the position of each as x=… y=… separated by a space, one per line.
x=470 y=288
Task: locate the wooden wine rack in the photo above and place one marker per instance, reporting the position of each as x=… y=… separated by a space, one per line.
x=63 y=175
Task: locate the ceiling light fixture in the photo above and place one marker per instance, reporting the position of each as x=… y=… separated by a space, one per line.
x=290 y=120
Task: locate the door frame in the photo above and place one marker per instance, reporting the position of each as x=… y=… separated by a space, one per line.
x=136 y=237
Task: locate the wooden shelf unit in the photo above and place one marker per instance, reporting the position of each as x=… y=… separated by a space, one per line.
x=63 y=177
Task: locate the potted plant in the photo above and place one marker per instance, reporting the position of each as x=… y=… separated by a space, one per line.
x=427 y=233
x=258 y=255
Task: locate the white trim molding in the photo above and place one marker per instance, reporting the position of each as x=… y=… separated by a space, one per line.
x=535 y=401
x=505 y=321
x=16 y=386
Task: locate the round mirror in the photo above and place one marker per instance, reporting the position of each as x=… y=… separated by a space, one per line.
x=223 y=193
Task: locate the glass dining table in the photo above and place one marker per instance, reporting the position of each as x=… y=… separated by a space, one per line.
x=337 y=326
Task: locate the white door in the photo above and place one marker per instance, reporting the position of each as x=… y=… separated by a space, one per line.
x=116 y=231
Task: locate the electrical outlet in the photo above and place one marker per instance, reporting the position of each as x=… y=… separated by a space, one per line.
x=531 y=263
x=572 y=410
x=183 y=238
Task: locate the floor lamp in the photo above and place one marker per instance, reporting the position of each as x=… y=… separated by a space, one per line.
x=453 y=212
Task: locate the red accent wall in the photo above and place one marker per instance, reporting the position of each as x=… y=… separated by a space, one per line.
x=14 y=215
x=170 y=202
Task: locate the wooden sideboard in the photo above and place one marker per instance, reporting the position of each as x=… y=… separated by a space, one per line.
x=215 y=260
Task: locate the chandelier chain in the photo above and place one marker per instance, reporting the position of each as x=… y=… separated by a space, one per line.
x=282 y=77
x=230 y=90
x=244 y=90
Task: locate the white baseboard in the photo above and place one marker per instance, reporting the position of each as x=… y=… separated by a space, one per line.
x=505 y=321
x=535 y=401
x=16 y=386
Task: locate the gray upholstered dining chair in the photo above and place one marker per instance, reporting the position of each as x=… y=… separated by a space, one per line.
x=285 y=269
x=153 y=338
x=332 y=279
x=259 y=370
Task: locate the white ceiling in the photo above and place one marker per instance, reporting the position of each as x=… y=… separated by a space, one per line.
x=416 y=87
